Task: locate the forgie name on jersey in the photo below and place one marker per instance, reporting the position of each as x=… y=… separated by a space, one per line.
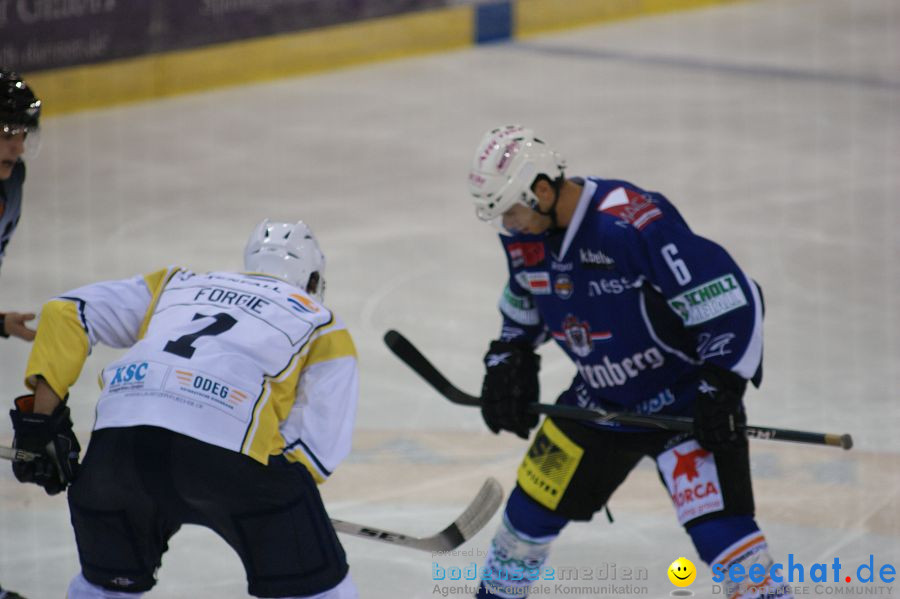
x=221 y=295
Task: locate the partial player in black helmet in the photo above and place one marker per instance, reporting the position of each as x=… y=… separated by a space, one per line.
x=18 y=104
x=20 y=113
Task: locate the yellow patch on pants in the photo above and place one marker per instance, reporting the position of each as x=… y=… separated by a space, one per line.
x=548 y=466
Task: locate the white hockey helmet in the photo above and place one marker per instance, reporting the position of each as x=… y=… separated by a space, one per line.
x=288 y=251
x=507 y=162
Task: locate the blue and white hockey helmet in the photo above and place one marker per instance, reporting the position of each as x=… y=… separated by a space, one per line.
x=507 y=162
x=288 y=251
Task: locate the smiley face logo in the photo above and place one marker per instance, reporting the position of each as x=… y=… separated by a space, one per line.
x=682 y=572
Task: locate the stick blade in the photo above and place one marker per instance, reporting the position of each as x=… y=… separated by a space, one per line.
x=479 y=512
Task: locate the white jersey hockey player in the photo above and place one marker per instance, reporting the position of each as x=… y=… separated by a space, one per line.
x=237 y=395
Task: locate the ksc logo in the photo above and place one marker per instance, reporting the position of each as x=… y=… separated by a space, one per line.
x=131 y=373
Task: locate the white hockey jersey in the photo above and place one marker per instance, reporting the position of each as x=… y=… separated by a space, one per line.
x=242 y=361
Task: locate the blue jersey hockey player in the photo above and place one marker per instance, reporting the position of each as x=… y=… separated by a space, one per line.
x=657 y=320
x=20 y=111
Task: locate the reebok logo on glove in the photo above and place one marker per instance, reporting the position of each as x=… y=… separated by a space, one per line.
x=706 y=387
x=492 y=360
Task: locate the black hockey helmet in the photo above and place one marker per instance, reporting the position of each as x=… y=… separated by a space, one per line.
x=18 y=104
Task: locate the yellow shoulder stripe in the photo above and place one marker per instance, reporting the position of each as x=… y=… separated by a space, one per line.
x=60 y=347
x=330 y=346
x=156 y=282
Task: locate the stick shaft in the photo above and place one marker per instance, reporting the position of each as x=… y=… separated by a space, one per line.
x=680 y=424
x=16 y=455
x=413 y=358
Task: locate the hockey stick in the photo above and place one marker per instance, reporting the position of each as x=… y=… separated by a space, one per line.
x=480 y=510
x=413 y=358
x=16 y=455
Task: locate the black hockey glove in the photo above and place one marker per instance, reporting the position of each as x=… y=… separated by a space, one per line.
x=52 y=439
x=510 y=384
x=720 y=423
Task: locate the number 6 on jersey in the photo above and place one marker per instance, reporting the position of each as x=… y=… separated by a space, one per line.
x=676 y=265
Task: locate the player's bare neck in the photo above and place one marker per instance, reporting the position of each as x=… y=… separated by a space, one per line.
x=569 y=194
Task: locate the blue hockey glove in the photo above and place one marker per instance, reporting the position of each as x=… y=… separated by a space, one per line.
x=720 y=423
x=510 y=384
x=52 y=439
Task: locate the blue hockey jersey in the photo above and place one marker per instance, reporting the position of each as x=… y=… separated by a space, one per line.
x=635 y=299
x=10 y=205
